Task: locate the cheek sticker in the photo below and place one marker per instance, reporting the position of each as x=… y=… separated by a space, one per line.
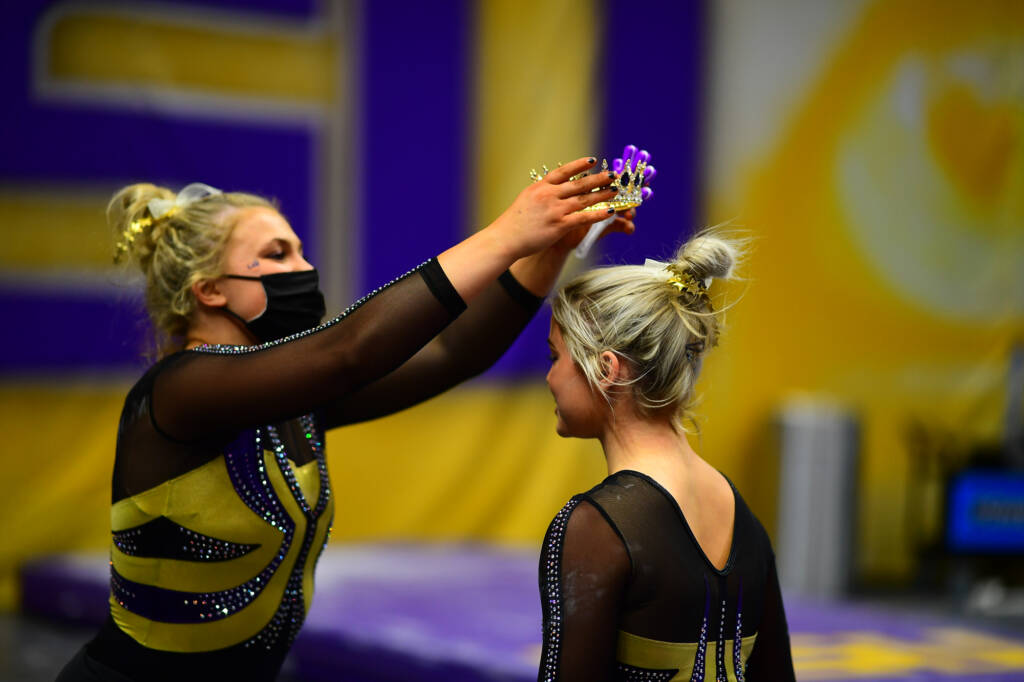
x=254 y=264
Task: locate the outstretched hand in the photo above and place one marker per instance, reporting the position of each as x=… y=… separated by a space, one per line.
x=623 y=223
x=549 y=210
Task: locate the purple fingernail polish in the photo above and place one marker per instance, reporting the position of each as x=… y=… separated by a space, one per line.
x=591 y=160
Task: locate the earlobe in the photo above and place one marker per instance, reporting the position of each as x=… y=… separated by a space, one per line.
x=208 y=293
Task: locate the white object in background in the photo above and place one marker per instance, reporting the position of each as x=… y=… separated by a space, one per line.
x=817 y=514
x=592 y=235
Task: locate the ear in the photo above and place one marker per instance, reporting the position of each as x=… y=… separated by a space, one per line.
x=612 y=369
x=208 y=293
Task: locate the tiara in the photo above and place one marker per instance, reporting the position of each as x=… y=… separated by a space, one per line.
x=634 y=175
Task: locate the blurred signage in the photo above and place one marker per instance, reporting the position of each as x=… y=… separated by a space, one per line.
x=986 y=512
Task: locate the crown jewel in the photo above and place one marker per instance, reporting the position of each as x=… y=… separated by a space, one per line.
x=634 y=175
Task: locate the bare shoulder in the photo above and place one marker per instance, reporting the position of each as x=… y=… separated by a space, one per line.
x=718 y=492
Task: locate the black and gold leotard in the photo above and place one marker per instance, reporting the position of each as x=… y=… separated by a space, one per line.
x=628 y=594
x=223 y=554
x=221 y=496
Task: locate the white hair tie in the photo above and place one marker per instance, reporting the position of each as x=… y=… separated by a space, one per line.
x=159 y=208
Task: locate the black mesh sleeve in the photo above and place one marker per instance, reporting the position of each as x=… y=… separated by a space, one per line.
x=584 y=570
x=772 y=658
x=209 y=392
x=466 y=348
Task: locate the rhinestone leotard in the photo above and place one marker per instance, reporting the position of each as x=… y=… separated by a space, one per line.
x=221 y=496
x=628 y=594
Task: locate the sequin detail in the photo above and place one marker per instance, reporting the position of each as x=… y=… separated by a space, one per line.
x=165 y=539
x=720 y=673
x=702 y=644
x=244 y=459
x=628 y=673
x=737 y=643
x=247 y=471
x=291 y=613
x=551 y=565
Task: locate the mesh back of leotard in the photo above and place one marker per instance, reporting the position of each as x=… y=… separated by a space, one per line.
x=673 y=585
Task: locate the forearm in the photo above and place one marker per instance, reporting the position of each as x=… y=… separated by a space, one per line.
x=475 y=262
x=485 y=331
x=467 y=347
x=539 y=272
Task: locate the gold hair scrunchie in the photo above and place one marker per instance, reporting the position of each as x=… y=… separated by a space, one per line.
x=162 y=209
x=685 y=281
x=681 y=279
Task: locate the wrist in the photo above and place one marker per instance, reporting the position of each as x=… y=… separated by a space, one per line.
x=499 y=242
x=530 y=300
x=539 y=272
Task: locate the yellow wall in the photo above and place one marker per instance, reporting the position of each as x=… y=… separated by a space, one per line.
x=887 y=210
x=839 y=195
x=481 y=462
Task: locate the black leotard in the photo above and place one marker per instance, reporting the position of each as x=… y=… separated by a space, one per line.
x=221 y=498
x=628 y=594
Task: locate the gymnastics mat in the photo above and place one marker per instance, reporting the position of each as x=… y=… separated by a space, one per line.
x=427 y=612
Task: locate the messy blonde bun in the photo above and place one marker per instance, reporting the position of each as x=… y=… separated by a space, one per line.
x=659 y=319
x=173 y=251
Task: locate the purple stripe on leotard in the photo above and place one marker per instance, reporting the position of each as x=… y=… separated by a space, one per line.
x=244 y=460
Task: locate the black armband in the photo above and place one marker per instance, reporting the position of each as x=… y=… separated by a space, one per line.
x=439 y=284
x=519 y=293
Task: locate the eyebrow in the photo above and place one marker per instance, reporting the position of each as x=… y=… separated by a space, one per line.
x=278 y=241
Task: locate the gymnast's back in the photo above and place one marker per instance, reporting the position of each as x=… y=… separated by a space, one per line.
x=624 y=552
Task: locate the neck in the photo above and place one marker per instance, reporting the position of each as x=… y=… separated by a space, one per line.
x=649 y=445
x=216 y=327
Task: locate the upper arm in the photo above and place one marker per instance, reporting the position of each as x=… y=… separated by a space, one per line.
x=587 y=571
x=772 y=657
x=207 y=393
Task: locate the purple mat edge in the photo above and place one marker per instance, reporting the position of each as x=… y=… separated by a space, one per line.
x=73 y=589
x=69 y=589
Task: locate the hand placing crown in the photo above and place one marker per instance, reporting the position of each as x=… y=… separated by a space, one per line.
x=634 y=175
x=633 y=183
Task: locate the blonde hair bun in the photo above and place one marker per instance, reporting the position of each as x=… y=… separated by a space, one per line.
x=707 y=255
x=175 y=249
x=659 y=318
x=129 y=207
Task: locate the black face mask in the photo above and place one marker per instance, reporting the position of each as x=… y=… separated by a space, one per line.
x=294 y=304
